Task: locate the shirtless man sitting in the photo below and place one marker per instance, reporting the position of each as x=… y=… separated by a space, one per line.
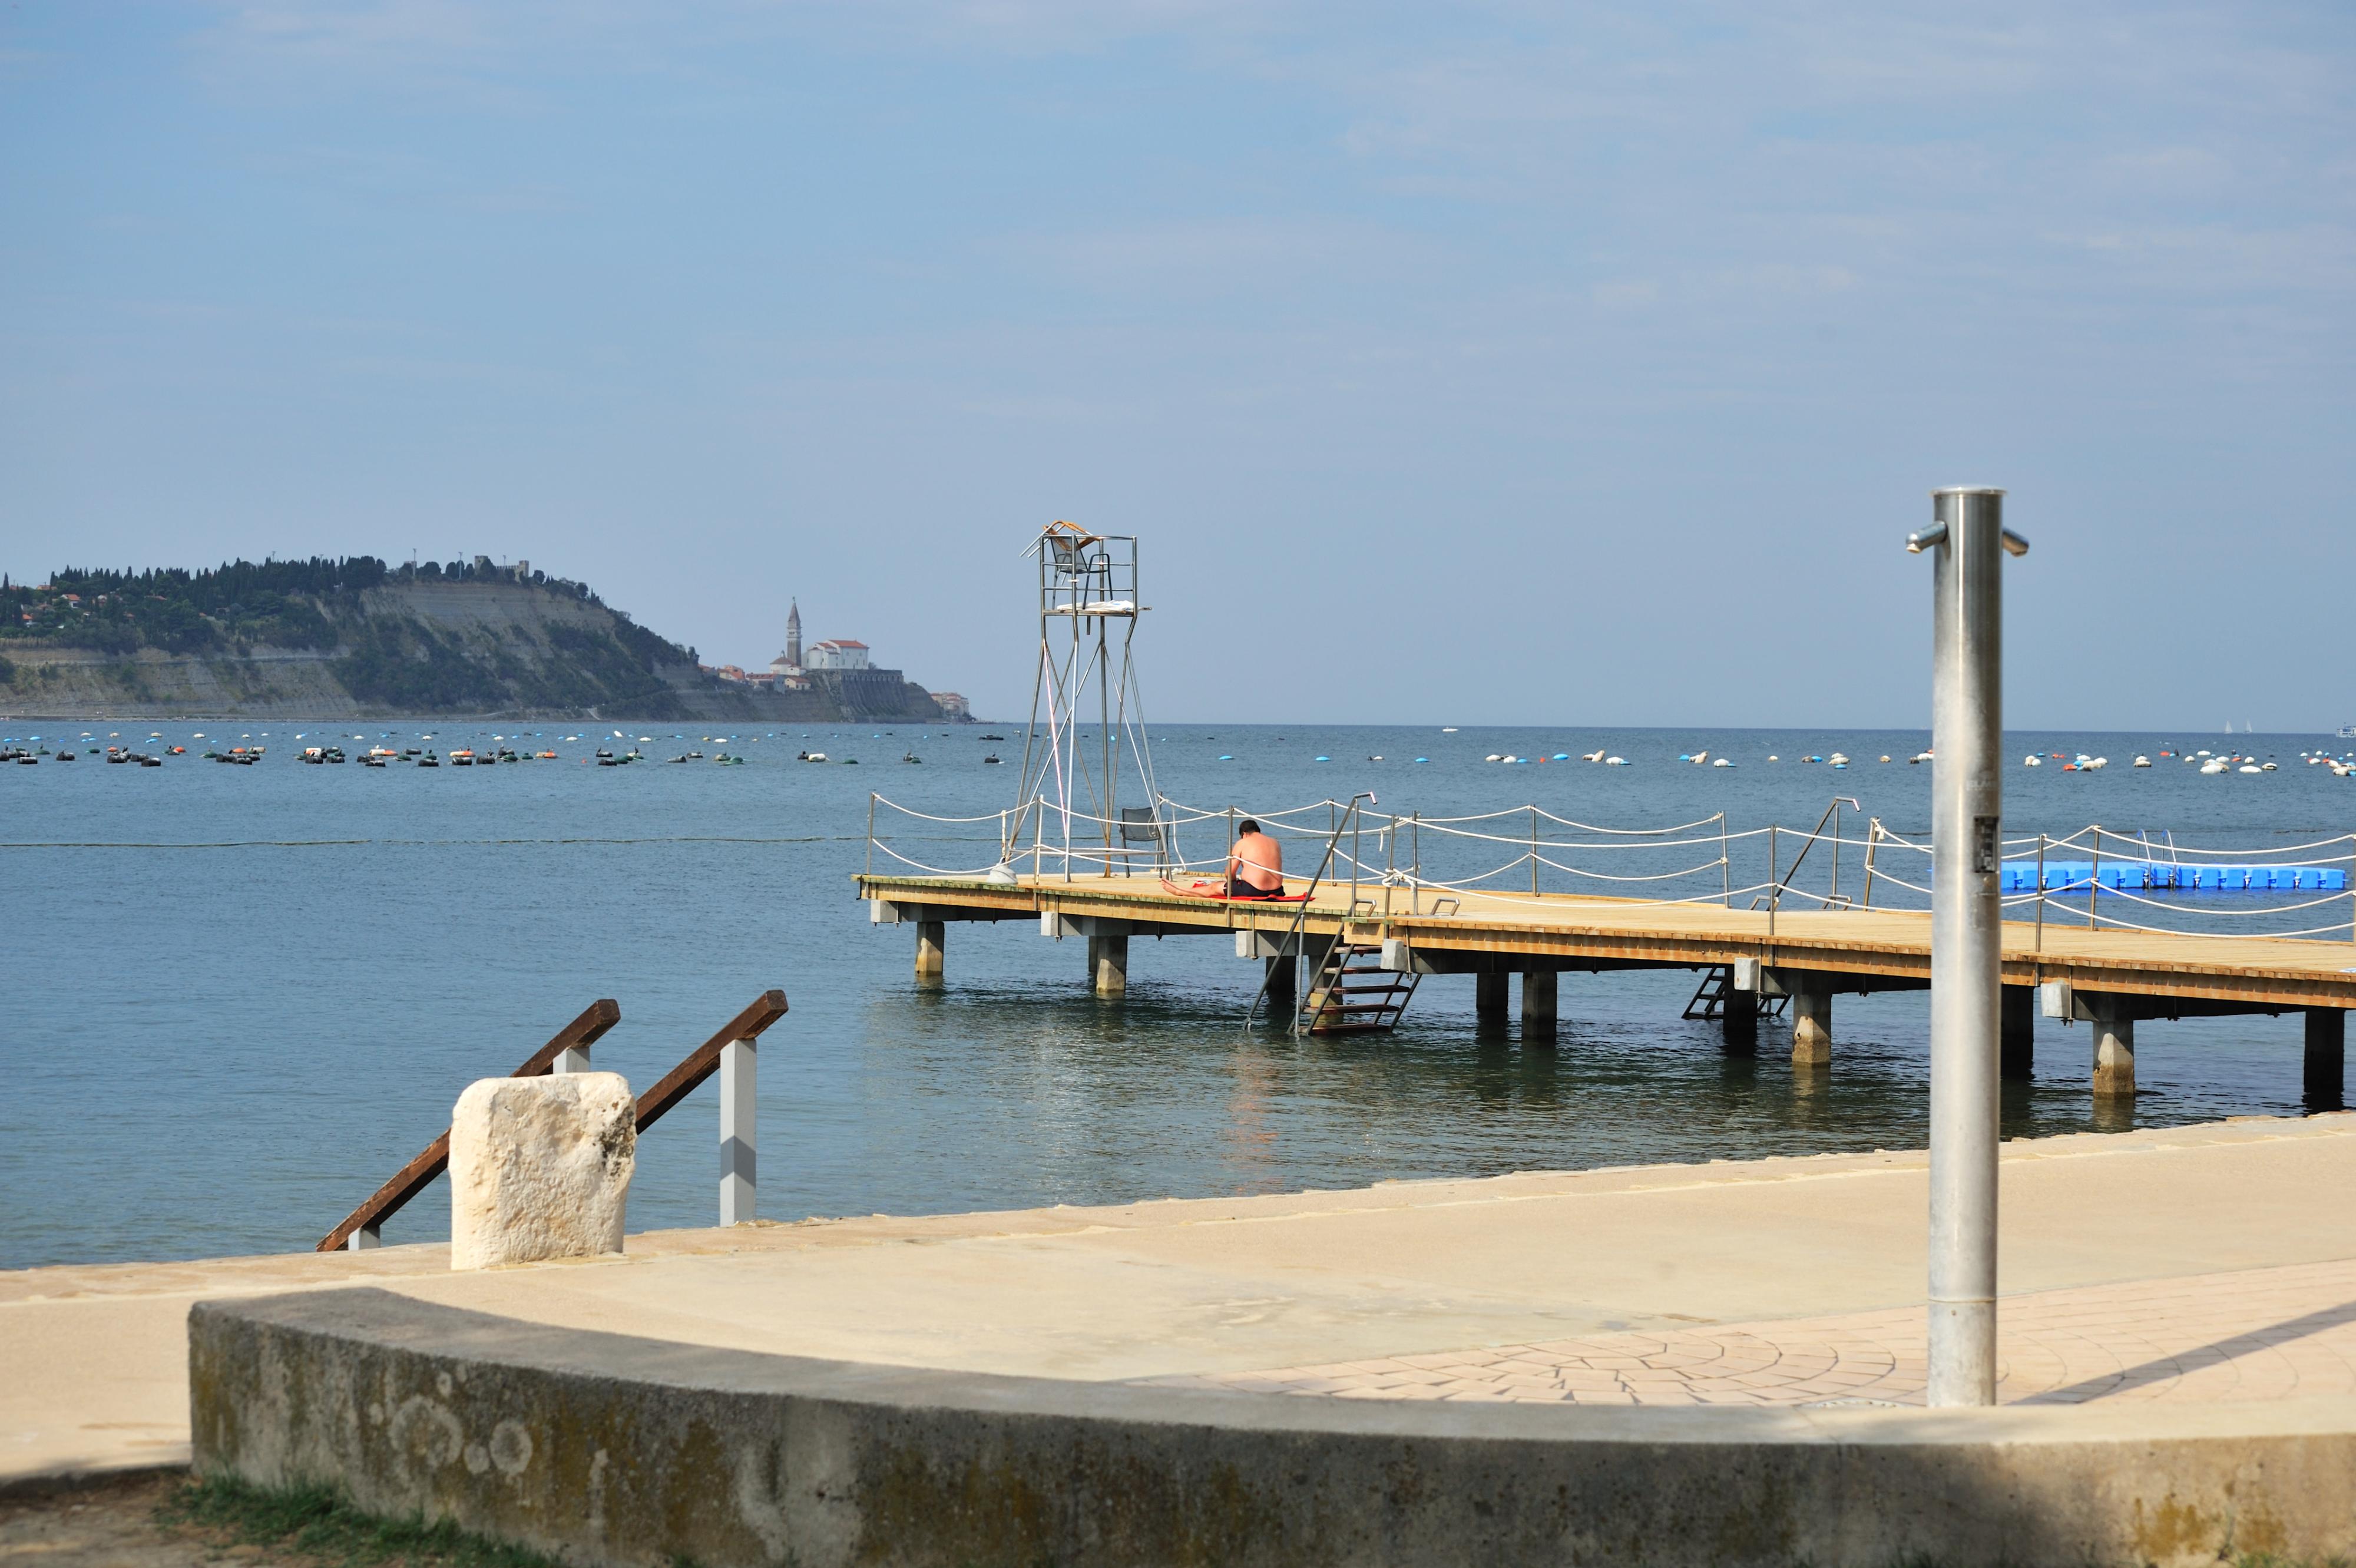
x=1255 y=864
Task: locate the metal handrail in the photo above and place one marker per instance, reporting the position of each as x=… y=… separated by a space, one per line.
x=434 y=1159
x=737 y=1142
x=1301 y=916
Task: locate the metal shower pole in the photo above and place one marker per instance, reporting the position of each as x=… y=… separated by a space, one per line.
x=1965 y=538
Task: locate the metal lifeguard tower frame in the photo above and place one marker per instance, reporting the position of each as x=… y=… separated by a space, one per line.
x=1069 y=799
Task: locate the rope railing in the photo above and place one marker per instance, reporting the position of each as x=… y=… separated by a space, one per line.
x=1831 y=866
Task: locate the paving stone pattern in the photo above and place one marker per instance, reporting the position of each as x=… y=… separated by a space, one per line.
x=2259 y=1334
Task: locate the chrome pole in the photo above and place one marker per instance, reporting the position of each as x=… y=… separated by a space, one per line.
x=1967 y=539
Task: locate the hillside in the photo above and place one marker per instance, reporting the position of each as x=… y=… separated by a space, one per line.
x=325 y=638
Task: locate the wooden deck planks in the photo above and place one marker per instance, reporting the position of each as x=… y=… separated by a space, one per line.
x=2288 y=973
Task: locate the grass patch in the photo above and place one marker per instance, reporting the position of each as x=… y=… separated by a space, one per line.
x=318 y=1523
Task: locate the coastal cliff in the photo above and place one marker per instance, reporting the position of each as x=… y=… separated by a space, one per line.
x=354 y=638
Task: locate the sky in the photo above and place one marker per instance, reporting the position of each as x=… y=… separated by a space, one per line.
x=1469 y=364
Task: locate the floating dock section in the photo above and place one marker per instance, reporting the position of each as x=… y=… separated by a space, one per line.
x=2183 y=876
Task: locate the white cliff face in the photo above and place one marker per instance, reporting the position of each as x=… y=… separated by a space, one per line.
x=540 y=1168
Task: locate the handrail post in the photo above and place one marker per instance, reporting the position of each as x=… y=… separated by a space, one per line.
x=1836 y=897
x=871 y=833
x=740 y=1133
x=1774 y=888
x=2041 y=892
x=1534 y=851
x=1415 y=893
x=1357 y=846
x=1390 y=869
x=1725 y=866
x=2094 y=880
x=1872 y=842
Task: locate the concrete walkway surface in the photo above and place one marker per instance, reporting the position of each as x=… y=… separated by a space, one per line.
x=2214 y=1262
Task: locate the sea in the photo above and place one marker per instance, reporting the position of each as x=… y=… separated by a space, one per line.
x=237 y=998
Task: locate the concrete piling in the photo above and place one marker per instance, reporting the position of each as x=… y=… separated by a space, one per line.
x=1283 y=987
x=1738 y=1022
x=1812 y=1022
x=932 y=941
x=1489 y=997
x=1109 y=956
x=2114 y=1054
x=2017 y=1036
x=2327 y=1054
x=1538 y=987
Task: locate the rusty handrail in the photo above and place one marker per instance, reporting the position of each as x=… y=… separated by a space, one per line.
x=701 y=1062
x=418 y=1173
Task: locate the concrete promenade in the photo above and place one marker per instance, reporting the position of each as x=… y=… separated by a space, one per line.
x=2199 y=1265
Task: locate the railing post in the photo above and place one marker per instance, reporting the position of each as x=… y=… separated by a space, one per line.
x=1725 y=866
x=1872 y=842
x=871 y=833
x=1534 y=851
x=1390 y=869
x=2094 y=880
x=1835 y=895
x=1774 y=888
x=2041 y=892
x=1415 y=893
x=739 y=1130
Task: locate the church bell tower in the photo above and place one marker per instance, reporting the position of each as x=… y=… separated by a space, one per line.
x=794 y=633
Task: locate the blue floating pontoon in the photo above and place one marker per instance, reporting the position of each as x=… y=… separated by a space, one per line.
x=2182 y=877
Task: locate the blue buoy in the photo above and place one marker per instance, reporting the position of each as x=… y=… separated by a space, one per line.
x=1423 y=759
x=1226 y=756
x=1562 y=756
x=1324 y=759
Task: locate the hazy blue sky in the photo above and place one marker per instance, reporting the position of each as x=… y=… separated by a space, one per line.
x=1487 y=362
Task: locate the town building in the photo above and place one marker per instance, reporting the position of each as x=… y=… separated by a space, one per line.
x=838 y=654
x=954 y=707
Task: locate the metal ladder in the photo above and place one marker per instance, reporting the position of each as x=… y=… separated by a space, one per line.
x=1346 y=999
x=1709 y=997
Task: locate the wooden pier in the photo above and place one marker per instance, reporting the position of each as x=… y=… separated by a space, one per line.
x=2107 y=978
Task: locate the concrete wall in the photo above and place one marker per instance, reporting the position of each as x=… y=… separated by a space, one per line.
x=606 y=1449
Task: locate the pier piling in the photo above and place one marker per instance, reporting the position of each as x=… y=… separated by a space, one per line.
x=1283 y=985
x=932 y=939
x=1489 y=997
x=1538 y=987
x=2018 y=1038
x=2327 y=1054
x=1109 y=956
x=1737 y=1024
x=2114 y=1034
x=1812 y=1021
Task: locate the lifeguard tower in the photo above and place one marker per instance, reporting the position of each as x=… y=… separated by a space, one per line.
x=1087 y=790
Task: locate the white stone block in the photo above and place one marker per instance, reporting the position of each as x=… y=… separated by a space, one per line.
x=540 y=1167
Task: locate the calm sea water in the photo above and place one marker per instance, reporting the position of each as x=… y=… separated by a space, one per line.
x=237 y=998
